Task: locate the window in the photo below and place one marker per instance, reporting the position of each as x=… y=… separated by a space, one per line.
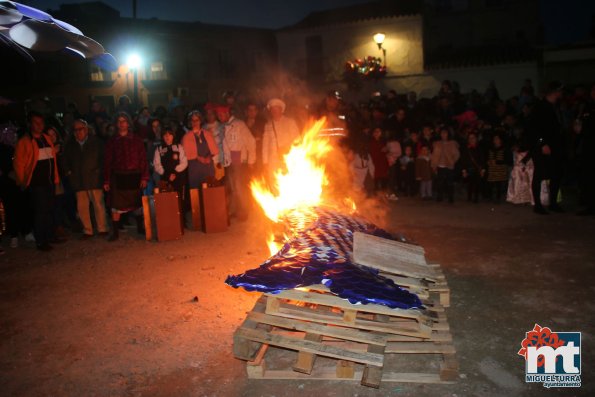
x=98 y=74
x=158 y=71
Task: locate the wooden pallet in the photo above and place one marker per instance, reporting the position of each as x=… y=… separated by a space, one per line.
x=347 y=352
x=326 y=337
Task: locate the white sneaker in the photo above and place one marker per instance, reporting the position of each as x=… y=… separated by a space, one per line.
x=14 y=242
x=30 y=238
x=392 y=197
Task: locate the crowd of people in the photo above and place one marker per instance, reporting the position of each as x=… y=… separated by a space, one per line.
x=77 y=171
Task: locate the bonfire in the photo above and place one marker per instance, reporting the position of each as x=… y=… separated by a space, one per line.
x=317 y=245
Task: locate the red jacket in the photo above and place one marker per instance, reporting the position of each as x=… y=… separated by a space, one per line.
x=26 y=154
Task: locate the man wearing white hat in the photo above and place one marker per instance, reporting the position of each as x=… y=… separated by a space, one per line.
x=279 y=134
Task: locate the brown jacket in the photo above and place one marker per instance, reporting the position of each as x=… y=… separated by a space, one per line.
x=447 y=151
x=26 y=154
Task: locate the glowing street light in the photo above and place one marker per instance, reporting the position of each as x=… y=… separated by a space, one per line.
x=134 y=62
x=379 y=39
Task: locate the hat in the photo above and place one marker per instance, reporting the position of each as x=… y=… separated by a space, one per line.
x=276 y=102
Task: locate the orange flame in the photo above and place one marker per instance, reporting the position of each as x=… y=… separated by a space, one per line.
x=300 y=186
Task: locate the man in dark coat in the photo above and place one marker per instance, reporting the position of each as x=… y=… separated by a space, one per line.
x=585 y=151
x=545 y=141
x=84 y=165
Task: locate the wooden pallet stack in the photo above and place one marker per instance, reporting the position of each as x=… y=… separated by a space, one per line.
x=309 y=333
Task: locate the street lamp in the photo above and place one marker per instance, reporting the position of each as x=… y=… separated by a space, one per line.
x=379 y=39
x=134 y=62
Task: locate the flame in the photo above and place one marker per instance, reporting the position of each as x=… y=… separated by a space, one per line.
x=273 y=245
x=299 y=187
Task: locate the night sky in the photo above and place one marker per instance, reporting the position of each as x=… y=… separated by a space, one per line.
x=564 y=21
x=257 y=13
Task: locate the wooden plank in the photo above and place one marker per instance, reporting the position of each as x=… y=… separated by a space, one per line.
x=436 y=336
x=449 y=368
x=419 y=348
x=310 y=347
x=410 y=329
x=305 y=361
x=195 y=209
x=332 y=300
x=372 y=376
x=349 y=316
x=243 y=348
x=384 y=254
x=272 y=304
x=257 y=367
x=332 y=331
x=407 y=252
x=147 y=218
x=330 y=374
x=345 y=369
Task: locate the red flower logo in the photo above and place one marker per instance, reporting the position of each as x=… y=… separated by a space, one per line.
x=538 y=337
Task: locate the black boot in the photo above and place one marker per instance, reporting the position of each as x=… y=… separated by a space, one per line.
x=115 y=231
x=140 y=224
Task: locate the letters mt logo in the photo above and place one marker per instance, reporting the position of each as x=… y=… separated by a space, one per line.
x=552 y=358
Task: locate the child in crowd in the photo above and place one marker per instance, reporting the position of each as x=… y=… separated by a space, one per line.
x=473 y=167
x=406 y=172
x=170 y=164
x=423 y=173
x=393 y=152
x=497 y=169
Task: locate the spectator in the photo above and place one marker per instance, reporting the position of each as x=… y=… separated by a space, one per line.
x=335 y=124
x=406 y=172
x=393 y=152
x=279 y=134
x=239 y=156
x=378 y=154
x=362 y=168
x=83 y=163
x=497 y=168
x=473 y=167
x=256 y=124
x=14 y=199
x=423 y=173
x=201 y=151
x=36 y=169
x=397 y=125
x=445 y=154
x=126 y=173
x=546 y=147
x=170 y=164
x=585 y=149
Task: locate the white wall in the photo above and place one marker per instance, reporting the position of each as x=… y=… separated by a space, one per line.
x=343 y=42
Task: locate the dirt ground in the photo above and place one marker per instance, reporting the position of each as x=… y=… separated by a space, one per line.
x=95 y=318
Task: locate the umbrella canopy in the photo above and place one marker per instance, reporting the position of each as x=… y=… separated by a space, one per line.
x=27 y=30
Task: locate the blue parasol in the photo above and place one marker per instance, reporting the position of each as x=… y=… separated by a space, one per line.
x=26 y=30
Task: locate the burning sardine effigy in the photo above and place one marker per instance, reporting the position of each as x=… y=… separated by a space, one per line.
x=321 y=253
x=319 y=249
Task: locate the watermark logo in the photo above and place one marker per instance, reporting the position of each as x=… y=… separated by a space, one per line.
x=552 y=358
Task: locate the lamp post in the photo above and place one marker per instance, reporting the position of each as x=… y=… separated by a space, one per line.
x=379 y=39
x=134 y=62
